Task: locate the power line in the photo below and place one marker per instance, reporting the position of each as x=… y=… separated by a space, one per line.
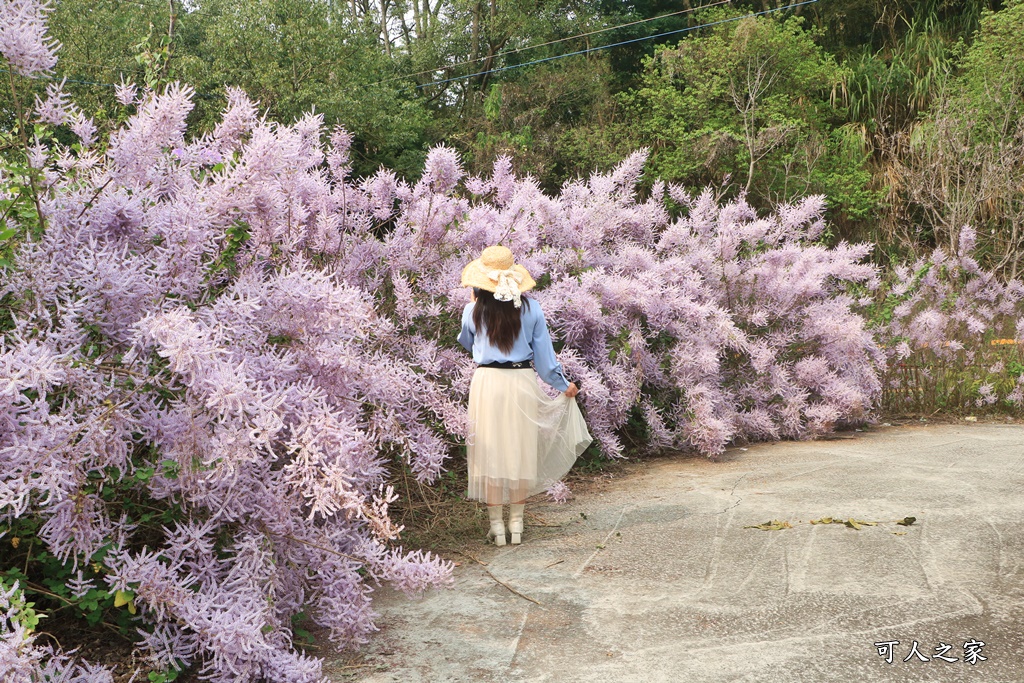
x=624 y=42
x=551 y=42
x=530 y=63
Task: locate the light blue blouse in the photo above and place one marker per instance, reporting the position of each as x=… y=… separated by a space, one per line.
x=533 y=343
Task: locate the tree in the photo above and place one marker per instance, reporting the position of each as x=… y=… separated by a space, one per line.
x=754 y=100
x=965 y=160
x=292 y=55
x=105 y=42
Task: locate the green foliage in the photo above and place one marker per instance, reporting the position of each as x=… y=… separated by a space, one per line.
x=235 y=238
x=991 y=80
x=294 y=56
x=18 y=216
x=850 y=26
x=163 y=676
x=19 y=187
x=752 y=100
x=529 y=115
x=107 y=41
x=23 y=611
x=46 y=577
x=887 y=89
x=842 y=172
x=153 y=54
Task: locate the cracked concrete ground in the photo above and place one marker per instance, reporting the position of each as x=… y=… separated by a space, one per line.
x=653 y=577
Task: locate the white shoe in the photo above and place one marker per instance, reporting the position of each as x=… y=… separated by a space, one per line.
x=515 y=523
x=497 y=533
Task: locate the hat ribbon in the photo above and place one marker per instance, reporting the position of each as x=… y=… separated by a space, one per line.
x=508 y=285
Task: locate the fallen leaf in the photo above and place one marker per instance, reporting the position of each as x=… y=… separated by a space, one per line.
x=823 y=520
x=907 y=521
x=858 y=523
x=771 y=525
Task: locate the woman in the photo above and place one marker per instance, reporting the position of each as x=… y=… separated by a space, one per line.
x=520 y=441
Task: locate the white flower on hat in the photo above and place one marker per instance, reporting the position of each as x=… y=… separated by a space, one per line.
x=507 y=288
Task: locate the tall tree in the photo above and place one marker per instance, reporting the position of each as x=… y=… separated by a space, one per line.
x=753 y=101
x=294 y=55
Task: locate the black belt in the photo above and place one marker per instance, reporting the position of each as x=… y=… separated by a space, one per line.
x=508 y=365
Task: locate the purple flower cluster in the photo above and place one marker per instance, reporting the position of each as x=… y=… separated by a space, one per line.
x=945 y=310
x=208 y=324
x=559 y=492
x=23 y=39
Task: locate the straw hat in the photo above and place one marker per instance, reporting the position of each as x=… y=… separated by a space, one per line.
x=496 y=271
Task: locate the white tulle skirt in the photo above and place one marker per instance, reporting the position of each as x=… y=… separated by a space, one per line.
x=520 y=441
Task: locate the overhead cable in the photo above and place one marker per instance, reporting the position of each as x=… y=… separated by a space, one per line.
x=624 y=42
x=554 y=42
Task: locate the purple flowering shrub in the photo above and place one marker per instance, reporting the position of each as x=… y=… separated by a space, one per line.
x=710 y=326
x=171 y=321
x=212 y=349
x=234 y=329
x=953 y=334
x=198 y=396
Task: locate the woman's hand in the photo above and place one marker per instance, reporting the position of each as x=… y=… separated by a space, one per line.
x=572 y=390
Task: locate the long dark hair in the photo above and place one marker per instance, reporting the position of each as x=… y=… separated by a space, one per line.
x=500 y=319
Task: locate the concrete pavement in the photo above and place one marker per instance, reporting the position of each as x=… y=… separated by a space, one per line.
x=651 y=576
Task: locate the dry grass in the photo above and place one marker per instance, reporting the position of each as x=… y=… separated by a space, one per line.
x=439 y=518
x=928 y=385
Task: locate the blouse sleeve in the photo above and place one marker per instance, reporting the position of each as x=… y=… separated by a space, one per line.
x=468 y=332
x=544 y=360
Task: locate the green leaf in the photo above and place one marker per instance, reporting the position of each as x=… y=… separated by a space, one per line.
x=170 y=468
x=122 y=598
